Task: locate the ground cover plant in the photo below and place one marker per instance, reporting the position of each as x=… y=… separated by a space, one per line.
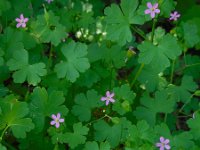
x=99 y=75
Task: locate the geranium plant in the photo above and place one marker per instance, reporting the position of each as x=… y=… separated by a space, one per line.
x=99 y=75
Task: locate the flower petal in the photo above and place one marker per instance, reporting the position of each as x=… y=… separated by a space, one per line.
x=158 y=144
x=61 y=120
x=17 y=19
x=149 y=5
x=53 y=117
x=112 y=100
x=162 y=148
x=162 y=139
x=103 y=98
x=166 y=141
x=171 y=18
x=23 y=25
x=155 y=5
x=22 y=17
x=25 y=19
x=152 y=14
x=167 y=147
x=58 y=116
x=157 y=11
x=18 y=25
x=147 y=11
x=57 y=124
x=107 y=102
x=112 y=94
x=108 y=93
x=52 y=122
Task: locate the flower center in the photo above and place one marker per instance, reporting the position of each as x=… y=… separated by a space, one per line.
x=22 y=21
x=57 y=120
x=163 y=144
x=152 y=9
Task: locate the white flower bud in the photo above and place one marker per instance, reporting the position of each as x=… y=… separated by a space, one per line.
x=78 y=34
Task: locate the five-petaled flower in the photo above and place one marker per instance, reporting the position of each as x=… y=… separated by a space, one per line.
x=152 y=9
x=49 y=1
x=163 y=144
x=56 y=120
x=21 y=21
x=174 y=16
x=108 y=98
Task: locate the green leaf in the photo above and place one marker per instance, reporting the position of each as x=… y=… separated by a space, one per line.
x=197 y=93
x=48 y=29
x=2 y=147
x=162 y=130
x=4 y=5
x=183 y=141
x=85 y=103
x=78 y=136
x=159 y=56
x=119 y=19
x=124 y=98
x=25 y=71
x=183 y=92
x=166 y=7
x=193 y=124
x=140 y=133
x=11 y=42
x=192 y=66
x=54 y=84
x=114 y=55
x=191 y=32
x=95 y=52
x=94 y=146
x=113 y=134
x=75 y=63
x=1 y=58
x=13 y=113
x=161 y=103
x=151 y=78
x=44 y=105
x=3 y=90
x=41 y=142
x=89 y=78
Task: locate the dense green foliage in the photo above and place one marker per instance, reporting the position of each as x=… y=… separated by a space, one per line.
x=99 y=75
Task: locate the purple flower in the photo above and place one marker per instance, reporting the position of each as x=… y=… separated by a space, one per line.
x=174 y=16
x=21 y=21
x=108 y=98
x=56 y=120
x=152 y=9
x=49 y=1
x=164 y=144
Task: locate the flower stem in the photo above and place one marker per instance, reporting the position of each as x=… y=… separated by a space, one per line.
x=153 y=29
x=172 y=71
x=2 y=134
x=165 y=119
x=137 y=74
x=50 y=57
x=138 y=31
x=181 y=109
x=98 y=119
x=196 y=64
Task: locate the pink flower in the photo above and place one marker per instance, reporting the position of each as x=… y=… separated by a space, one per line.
x=174 y=16
x=108 y=98
x=56 y=120
x=21 y=21
x=152 y=9
x=163 y=144
x=49 y=1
